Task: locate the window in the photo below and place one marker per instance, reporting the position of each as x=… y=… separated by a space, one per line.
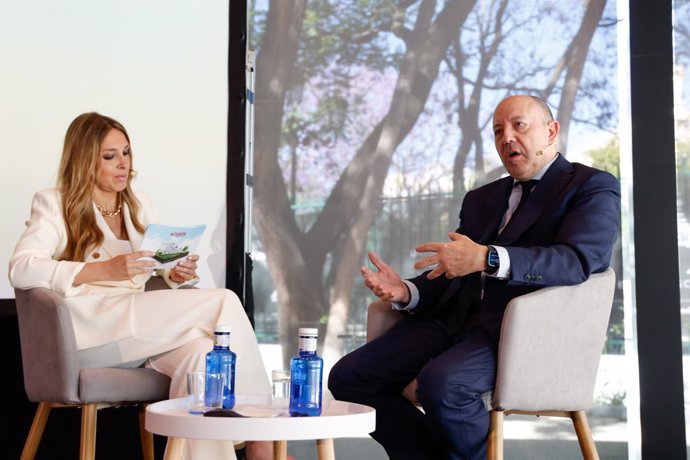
x=351 y=157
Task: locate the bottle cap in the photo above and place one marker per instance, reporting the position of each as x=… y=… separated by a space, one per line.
x=309 y=331
x=223 y=328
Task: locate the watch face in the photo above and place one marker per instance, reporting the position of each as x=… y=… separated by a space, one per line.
x=493 y=258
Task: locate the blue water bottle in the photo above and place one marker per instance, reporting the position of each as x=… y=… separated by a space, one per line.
x=221 y=360
x=306 y=376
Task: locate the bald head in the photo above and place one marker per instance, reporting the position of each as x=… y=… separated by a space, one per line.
x=525 y=134
x=548 y=116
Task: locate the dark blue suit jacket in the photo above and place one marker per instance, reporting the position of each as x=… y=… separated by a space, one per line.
x=563 y=233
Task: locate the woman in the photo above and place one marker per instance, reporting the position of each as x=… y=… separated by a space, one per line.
x=82 y=241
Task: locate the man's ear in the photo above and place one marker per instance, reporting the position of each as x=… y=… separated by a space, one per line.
x=553 y=128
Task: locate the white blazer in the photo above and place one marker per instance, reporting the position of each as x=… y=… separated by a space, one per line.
x=33 y=262
x=102 y=312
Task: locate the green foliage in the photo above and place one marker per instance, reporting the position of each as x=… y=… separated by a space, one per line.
x=611 y=396
x=683 y=155
x=683 y=175
x=607 y=158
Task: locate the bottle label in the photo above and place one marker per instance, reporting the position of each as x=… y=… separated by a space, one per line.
x=307 y=343
x=222 y=340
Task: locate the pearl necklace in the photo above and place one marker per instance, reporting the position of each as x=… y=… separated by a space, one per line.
x=106 y=213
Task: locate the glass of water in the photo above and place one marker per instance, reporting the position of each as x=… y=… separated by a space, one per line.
x=280 y=380
x=204 y=392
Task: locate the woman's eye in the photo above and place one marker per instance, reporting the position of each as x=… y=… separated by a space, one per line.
x=108 y=157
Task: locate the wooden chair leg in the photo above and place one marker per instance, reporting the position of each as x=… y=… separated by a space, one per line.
x=279 y=450
x=495 y=439
x=36 y=431
x=87 y=447
x=325 y=449
x=146 y=436
x=584 y=435
x=174 y=448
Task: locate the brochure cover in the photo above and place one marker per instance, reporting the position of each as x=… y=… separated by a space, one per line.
x=171 y=243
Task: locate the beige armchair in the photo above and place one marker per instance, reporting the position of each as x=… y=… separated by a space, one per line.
x=548 y=355
x=52 y=376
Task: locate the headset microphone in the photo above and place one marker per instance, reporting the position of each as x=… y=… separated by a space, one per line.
x=540 y=152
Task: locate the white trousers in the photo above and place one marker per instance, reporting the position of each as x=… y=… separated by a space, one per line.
x=172 y=332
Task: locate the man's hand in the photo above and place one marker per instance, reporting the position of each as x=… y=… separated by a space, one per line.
x=457 y=257
x=385 y=283
x=185 y=270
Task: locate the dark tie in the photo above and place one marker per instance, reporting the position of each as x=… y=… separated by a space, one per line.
x=527 y=186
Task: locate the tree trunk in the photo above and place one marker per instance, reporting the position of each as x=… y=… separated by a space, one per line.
x=274 y=220
x=354 y=201
x=575 y=65
x=468 y=110
x=296 y=260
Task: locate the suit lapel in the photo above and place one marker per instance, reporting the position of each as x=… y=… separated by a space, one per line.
x=544 y=194
x=484 y=227
x=496 y=203
x=135 y=237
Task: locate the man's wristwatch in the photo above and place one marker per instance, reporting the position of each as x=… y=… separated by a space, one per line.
x=492 y=260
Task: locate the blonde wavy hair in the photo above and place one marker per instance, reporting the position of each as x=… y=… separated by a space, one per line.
x=79 y=168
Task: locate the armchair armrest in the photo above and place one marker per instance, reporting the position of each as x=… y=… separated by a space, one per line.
x=50 y=359
x=157 y=283
x=551 y=342
x=49 y=350
x=380 y=318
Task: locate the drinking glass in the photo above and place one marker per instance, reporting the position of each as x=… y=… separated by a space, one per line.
x=280 y=380
x=199 y=386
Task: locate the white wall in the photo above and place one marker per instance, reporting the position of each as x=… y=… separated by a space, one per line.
x=159 y=67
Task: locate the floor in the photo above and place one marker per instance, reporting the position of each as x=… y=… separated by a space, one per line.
x=527 y=438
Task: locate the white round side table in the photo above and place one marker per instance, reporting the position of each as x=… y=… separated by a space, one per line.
x=264 y=422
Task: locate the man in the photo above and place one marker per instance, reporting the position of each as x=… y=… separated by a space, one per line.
x=562 y=231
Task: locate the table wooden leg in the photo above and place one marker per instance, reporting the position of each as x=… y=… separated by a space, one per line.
x=146 y=437
x=325 y=449
x=280 y=450
x=174 y=449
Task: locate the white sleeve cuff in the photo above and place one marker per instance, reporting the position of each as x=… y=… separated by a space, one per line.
x=63 y=278
x=414 y=298
x=504 y=263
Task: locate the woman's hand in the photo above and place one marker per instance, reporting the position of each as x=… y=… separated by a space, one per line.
x=185 y=270
x=119 y=268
